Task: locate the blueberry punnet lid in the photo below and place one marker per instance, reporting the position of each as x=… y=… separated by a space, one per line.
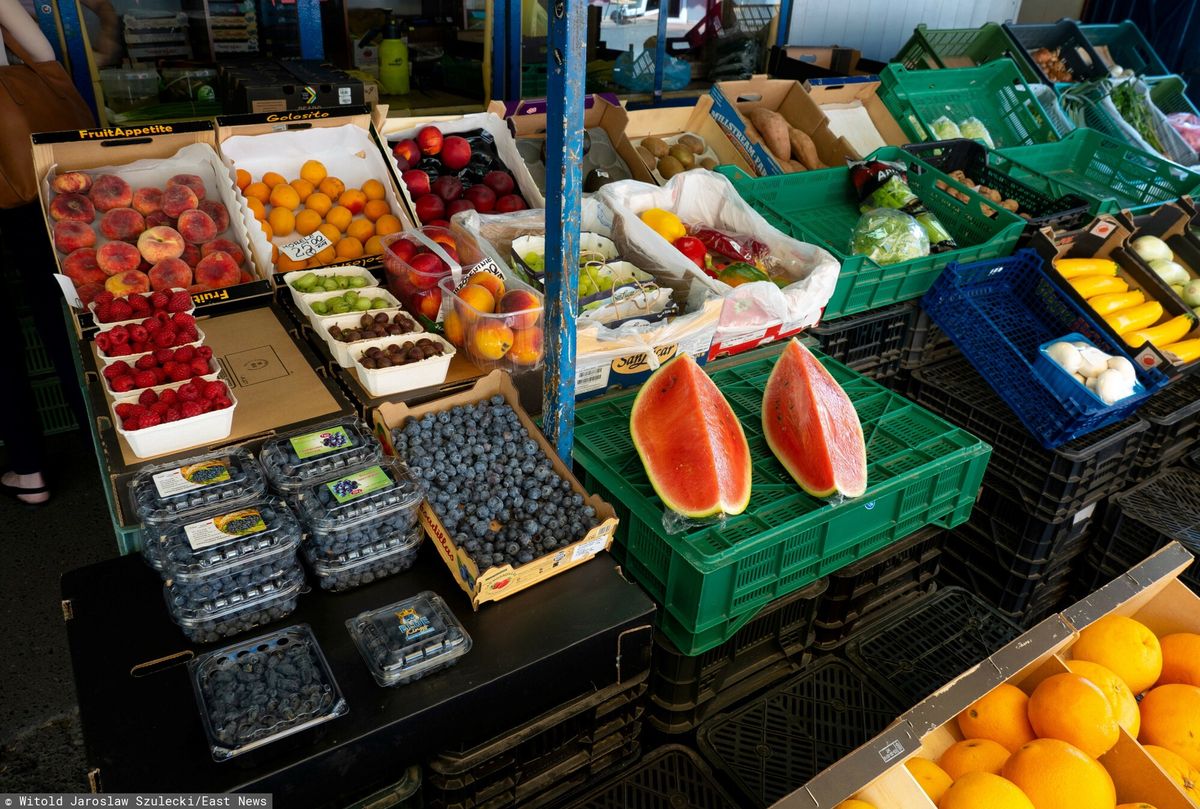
x=222 y=541
x=295 y=459
x=202 y=483
x=371 y=491
x=188 y=611
x=406 y=640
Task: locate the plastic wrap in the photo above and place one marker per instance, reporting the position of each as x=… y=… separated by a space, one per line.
x=881 y=184
x=887 y=236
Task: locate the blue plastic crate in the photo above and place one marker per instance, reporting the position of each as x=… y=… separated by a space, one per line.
x=999 y=312
x=1074 y=394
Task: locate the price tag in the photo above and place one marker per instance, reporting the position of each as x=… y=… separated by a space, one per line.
x=306 y=247
x=486 y=265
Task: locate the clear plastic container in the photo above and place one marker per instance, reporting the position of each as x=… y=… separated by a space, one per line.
x=405 y=641
x=415 y=280
x=510 y=340
x=264 y=689
x=294 y=460
x=365 y=565
x=221 y=479
x=211 y=620
x=364 y=507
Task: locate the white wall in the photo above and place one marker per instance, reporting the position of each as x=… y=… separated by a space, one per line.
x=879 y=28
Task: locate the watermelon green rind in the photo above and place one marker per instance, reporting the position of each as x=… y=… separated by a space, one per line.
x=690 y=442
x=811 y=426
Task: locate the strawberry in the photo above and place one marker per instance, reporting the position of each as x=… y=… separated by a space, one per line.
x=200 y=366
x=159 y=301
x=147 y=398
x=123 y=384
x=179 y=302
x=190 y=410
x=145 y=379
x=185 y=354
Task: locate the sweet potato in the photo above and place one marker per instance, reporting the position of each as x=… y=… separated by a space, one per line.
x=773 y=128
x=804 y=148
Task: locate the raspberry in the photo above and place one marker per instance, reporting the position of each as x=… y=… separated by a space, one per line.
x=123 y=384
x=188 y=392
x=220 y=403
x=206 y=406
x=190 y=410
x=121 y=310
x=169 y=396
x=125 y=409
x=163 y=355
x=104 y=341
x=179 y=302
x=180 y=372
x=199 y=382
x=159 y=374
x=159 y=300
x=105 y=297
x=162 y=317
x=183 y=320
x=147 y=398
x=118 y=368
x=146 y=362
x=118 y=351
x=151 y=419
x=131 y=423
x=172 y=414
x=185 y=354
x=138 y=348
x=139 y=305
x=189 y=335
x=200 y=366
x=118 y=336
x=204 y=352
x=214 y=389
x=152 y=325
x=145 y=379
x=160 y=408
x=138 y=334
x=104 y=313
x=164 y=338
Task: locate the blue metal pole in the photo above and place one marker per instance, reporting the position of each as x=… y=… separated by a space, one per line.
x=49 y=25
x=660 y=47
x=312 y=40
x=73 y=35
x=785 y=22
x=499 y=48
x=566 y=46
x=513 y=51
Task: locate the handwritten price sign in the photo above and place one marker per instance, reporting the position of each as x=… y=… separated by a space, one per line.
x=306 y=247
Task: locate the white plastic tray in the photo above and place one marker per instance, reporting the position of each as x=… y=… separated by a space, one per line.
x=297 y=296
x=176 y=435
x=343 y=352
x=416 y=375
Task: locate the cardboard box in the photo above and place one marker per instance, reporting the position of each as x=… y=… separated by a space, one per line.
x=1150 y=593
x=667 y=122
x=528 y=119
x=496 y=583
x=278 y=85
x=121 y=146
x=804 y=62
x=733 y=101
x=855 y=94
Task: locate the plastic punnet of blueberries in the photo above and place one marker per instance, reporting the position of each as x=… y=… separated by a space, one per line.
x=367 y=564
x=294 y=459
x=207 y=617
x=408 y=640
x=222 y=478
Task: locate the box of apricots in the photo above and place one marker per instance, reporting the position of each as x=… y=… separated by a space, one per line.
x=1095 y=708
x=315 y=192
x=137 y=213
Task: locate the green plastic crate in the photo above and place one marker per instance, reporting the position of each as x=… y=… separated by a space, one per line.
x=1089 y=163
x=1166 y=93
x=994 y=93
x=821 y=207
x=52 y=406
x=932 y=48
x=1126 y=45
x=37 y=358
x=711 y=581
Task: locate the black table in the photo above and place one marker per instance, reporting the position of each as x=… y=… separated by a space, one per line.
x=582 y=630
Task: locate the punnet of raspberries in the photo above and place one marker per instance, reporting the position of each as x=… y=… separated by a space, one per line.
x=160 y=367
x=161 y=330
x=193 y=398
x=110 y=309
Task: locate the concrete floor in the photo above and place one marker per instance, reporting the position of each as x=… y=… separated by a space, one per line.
x=40 y=744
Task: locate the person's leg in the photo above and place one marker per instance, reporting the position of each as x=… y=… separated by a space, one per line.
x=20 y=427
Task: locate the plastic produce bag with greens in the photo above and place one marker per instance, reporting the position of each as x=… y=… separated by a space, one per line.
x=887 y=236
x=945 y=129
x=973 y=128
x=881 y=184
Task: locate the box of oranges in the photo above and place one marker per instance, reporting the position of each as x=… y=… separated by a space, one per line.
x=316 y=189
x=1095 y=708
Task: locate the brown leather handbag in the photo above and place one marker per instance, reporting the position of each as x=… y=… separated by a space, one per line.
x=34 y=97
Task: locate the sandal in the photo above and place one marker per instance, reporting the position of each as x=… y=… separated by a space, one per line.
x=15 y=491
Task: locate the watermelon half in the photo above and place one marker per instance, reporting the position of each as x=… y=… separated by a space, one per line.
x=812 y=427
x=690 y=442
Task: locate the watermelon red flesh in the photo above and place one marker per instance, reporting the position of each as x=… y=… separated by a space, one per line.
x=812 y=427
x=690 y=442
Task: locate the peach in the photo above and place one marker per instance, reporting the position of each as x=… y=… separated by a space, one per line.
x=158 y=219
x=122 y=224
x=197 y=288
x=428 y=302
x=430 y=208
x=429 y=138
x=118 y=257
x=527 y=346
x=132 y=282
x=147 y=200
x=191 y=255
x=225 y=246
x=408 y=150
x=197 y=227
x=169 y=274
x=192 y=181
x=456 y=152
x=489 y=281
x=81 y=267
x=491 y=339
x=70 y=235
x=478 y=297
x=482 y=197
x=217 y=270
x=179 y=198
x=521 y=300
x=217 y=212
x=110 y=191
x=75 y=207
x=88 y=292
x=72 y=182
x=160 y=243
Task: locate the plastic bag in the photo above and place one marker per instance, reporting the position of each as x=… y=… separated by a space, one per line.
x=1188 y=127
x=881 y=184
x=945 y=129
x=887 y=236
x=974 y=128
x=638 y=74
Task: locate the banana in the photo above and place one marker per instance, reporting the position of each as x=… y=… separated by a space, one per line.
x=1185 y=350
x=1115 y=302
x=1075 y=267
x=1089 y=286
x=1134 y=318
x=1170 y=332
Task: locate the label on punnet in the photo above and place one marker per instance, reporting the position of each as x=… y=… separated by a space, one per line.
x=306 y=247
x=206 y=533
x=193 y=476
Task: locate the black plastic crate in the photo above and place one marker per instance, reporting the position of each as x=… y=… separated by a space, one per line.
x=828 y=635
x=1174 y=426
x=670 y=777
x=1047 y=599
x=920 y=647
x=871 y=343
x=776 y=743
x=1068 y=212
x=927 y=344
x=1052 y=485
x=1025 y=542
x=1139 y=521
x=1064 y=36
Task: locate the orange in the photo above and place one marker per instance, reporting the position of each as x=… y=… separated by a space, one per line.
x=318 y=202
x=349 y=247
x=373 y=189
x=373 y=247
x=353 y=199
x=267 y=229
x=1001 y=715
x=489 y=281
x=1057 y=775
x=973 y=755
x=257 y=208
x=1179 y=771
x=376 y=208
x=1134 y=806
x=258 y=191
x=452 y=327
x=1123 y=646
x=854 y=804
x=284 y=196
x=388 y=224
x=491 y=339
x=282 y=221
x=1124 y=704
x=331 y=187
x=286 y=264
x=243 y=179
x=932 y=779
x=361 y=229
x=273 y=178
x=313 y=171
x=1072 y=708
x=984 y=790
x=307 y=222
x=479 y=297
x=339 y=217
x=1181 y=658
x=1171 y=719
x=303 y=188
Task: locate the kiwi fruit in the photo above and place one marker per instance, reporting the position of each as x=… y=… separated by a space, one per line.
x=646 y=156
x=656 y=146
x=684 y=155
x=668 y=167
x=692 y=142
x=708 y=163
